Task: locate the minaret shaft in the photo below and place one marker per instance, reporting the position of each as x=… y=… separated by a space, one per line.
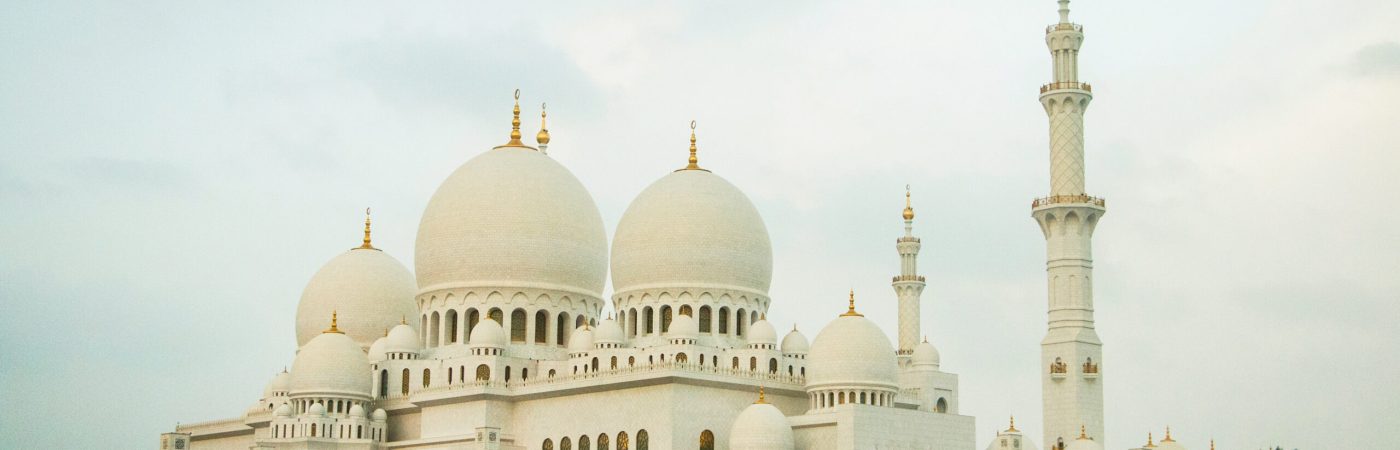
x=1072 y=390
x=908 y=285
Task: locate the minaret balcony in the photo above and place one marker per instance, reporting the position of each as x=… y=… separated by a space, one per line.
x=899 y=278
x=1068 y=199
x=1064 y=27
x=1058 y=85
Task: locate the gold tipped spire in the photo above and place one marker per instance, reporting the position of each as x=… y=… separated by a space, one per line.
x=1082 y=434
x=761 y=399
x=543 y=136
x=851 y=308
x=694 y=162
x=1169 y=436
x=908 y=207
x=1149 y=441
x=1212 y=443
x=333 y=328
x=515 y=126
x=1013 y=417
x=366 y=245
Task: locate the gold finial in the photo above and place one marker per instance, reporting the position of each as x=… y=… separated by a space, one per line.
x=851 y=309
x=694 y=162
x=1082 y=435
x=1212 y=443
x=908 y=207
x=761 y=399
x=762 y=316
x=1169 y=435
x=515 y=125
x=366 y=244
x=1149 y=441
x=543 y=136
x=1013 y=419
x=333 y=328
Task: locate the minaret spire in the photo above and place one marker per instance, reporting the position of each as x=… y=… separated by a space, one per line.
x=908 y=285
x=515 y=127
x=543 y=136
x=1072 y=399
x=694 y=163
x=365 y=244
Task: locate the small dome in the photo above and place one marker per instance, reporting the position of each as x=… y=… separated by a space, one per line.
x=368 y=288
x=331 y=364
x=316 y=409
x=852 y=350
x=761 y=426
x=512 y=217
x=795 y=343
x=692 y=228
x=379 y=415
x=608 y=332
x=488 y=333
x=926 y=355
x=762 y=332
x=1168 y=443
x=1090 y=444
x=376 y=350
x=279 y=383
x=284 y=411
x=683 y=327
x=357 y=411
x=402 y=339
x=581 y=340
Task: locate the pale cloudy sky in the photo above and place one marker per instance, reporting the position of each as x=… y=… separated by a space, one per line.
x=171 y=174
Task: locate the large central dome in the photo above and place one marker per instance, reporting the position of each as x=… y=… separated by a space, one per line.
x=512 y=217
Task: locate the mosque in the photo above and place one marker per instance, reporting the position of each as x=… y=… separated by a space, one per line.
x=503 y=327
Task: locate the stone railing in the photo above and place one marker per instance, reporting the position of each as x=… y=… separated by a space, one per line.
x=1078 y=198
x=797 y=381
x=1064 y=27
x=899 y=278
x=1066 y=85
x=906 y=239
x=197 y=426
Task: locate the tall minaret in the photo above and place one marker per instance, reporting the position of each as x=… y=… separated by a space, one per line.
x=1071 y=353
x=908 y=285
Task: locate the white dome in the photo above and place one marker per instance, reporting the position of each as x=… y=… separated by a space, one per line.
x=761 y=427
x=316 y=409
x=332 y=364
x=852 y=350
x=692 y=228
x=925 y=354
x=402 y=339
x=795 y=342
x=376 y=350
x=1090 y=444
x=357 y=411
x=762 y=332
x=488 y=333
x=683 y=327
x=581 y=340
x=380 y=415
x=512 y=217
x=1166 y=444
x=279 y=383
x=369 y=289
x=283 y=411
x=608 y=332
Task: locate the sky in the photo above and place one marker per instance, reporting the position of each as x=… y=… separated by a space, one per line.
x=172 y=173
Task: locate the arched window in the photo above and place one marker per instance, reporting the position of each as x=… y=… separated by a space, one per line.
x=707 y=440
x=772 y=365
x=685 y=311
x=462 y=373
x=405 y=381
x=565 y=444
x=498 y=316
x=642 y=440
x=942 y=405
x=451 y=319
x=736 y=363
x=632 y=322
x=313 y=429
x=739 y=323
x=665 y=318
x=449 y=376
x=473 y=316
x=724 y=320
x=437 y=329
x=753 y=316
x=427 y=377
x=551 y=373
x=649 y=318
x=603 y=442
x=681 y=358
x=622 y=440
x=631 y=361
x=594 y=366
x=614 y=363
x=559 y=328
x=517 y=325
x=789 y=370
x=541 y=327
x=804 y=371
x=578 y=321
x=841 y=398
x=524 y=374
x=483 y=373
x=714 y=361
x=702 y=359
x=704 y=319
x=583 y=442
x=507 y=374
x=547 y=445
x=384 y=383
x=753 y=363
x=862 y=398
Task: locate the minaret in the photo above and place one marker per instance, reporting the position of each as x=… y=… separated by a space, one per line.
x=1071 y=353
x=908 y=285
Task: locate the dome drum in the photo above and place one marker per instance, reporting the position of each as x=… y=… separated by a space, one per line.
x=718 y=313
x=531 y=316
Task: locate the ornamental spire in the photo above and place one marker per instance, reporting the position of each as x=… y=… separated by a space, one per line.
x=1013 y=417
x=515 y=125
x=1064 y=11
x=333 y=328
x=366 y=245
x=761 y=399
x=543 y=136
x=694 y=163
x=851 y=307
x=1082 y=434
x=1169 y=435
x=908 y=206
